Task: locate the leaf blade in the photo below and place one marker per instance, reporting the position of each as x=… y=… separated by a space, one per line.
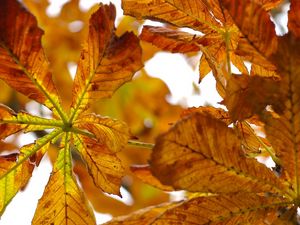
x=63 y=202
x=24 y=57
x=106 y=62
x=201 y=162
x=104 y=166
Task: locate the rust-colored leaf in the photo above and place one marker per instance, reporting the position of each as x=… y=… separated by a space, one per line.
x=170 y=39
x=106 y=61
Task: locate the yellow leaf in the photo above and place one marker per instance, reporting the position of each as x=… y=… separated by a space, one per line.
x=112 y=133
x=106 y=61
x=15 y=180
x=63 y=202
x=23 y=64
x=103 y=165
x=201 y=154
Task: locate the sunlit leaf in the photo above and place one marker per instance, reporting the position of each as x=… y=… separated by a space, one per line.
x=63 y=202
x=103 y=165
x=23 y=64
x=106 y=61
x=170 y=39
x=191 y=156
x=7 y=129
x=224 y=209
x=260 y=39
x=15 y=180
x=114 y=134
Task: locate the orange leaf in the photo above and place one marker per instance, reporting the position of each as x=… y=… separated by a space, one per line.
x=254 y=23
x=170 y=39
x=191 y=156
x=106 y=61
x=104 y=166
x=23 y=64
x=63 y=202
x=111 y=133
x=143 y=173
x=294 y=18
x=6 y=129
x=224 y=209
x=247 y=95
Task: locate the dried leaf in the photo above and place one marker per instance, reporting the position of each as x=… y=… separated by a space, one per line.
x=255 y=24
x=170 y=39
x=294 y=18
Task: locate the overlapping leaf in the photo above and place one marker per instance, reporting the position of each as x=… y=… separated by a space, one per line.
x=106 y=61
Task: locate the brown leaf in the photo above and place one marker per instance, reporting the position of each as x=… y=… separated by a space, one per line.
x=201 y=154
x=192 y=14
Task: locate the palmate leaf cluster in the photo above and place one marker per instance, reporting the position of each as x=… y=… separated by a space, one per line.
x=208 y=152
